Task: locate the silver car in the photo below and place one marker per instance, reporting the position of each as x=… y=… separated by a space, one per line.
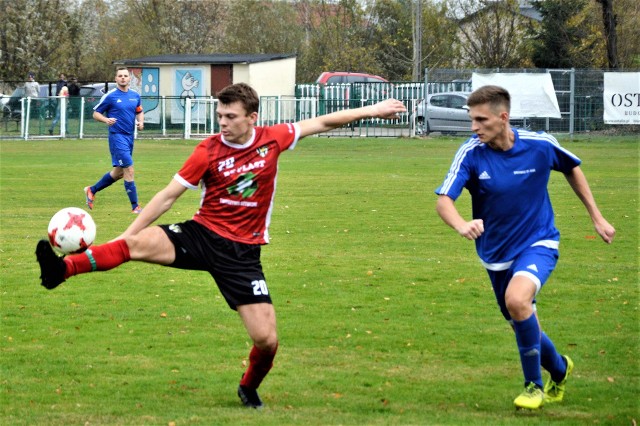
x=445 y=112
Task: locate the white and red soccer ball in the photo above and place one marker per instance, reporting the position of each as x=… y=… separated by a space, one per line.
x=71 y=230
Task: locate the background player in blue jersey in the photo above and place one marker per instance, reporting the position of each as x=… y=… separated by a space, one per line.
x=506 y=171
x=121 y=110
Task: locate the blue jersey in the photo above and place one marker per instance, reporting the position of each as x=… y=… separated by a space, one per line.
x=509 y=192
x=123 y=106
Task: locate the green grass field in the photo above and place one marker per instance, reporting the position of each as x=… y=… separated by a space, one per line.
x=385 y=315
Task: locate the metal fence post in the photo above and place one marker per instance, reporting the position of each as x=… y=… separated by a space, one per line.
x=163 y=118
x=572 y=88
x=426 y=95
x=81 y=130
x=187 y=118
x=25 y=115
x=63 y=116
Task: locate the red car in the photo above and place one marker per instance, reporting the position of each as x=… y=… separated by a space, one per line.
x=335 y=77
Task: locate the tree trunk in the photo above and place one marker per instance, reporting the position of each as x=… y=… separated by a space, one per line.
x=609 y=20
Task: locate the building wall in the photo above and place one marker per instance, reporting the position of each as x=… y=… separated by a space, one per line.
x=269 y=78
x=274 y=78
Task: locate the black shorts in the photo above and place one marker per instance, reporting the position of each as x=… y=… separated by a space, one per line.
x=234 y=266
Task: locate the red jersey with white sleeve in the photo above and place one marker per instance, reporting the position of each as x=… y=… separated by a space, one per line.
x=238 y=181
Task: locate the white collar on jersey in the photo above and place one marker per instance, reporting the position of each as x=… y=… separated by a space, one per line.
x=247 y=144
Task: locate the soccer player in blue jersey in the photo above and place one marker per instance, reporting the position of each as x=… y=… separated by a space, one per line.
x=506 y=171
x=121 y=110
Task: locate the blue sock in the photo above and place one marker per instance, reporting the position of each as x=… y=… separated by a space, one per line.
x=104 y=182
x=528 y=339
x=551 y=360
x=132 y=192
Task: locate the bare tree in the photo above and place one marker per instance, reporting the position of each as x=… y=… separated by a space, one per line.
x=396 y=39
x=341 y=41
x=627 y=15
x=183 y=26
x=257 y=27
x=492 y=33
x=32 y=33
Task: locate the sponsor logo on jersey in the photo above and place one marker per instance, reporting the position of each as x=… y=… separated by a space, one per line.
x=228 y=168
x=524 y=172
x=245 y=186
x=484 y=175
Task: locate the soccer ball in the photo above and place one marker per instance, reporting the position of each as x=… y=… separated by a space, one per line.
x=71 y=230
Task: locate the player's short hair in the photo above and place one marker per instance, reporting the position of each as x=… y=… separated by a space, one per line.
x=240 y=92
x=121 y=69
x=495 y=96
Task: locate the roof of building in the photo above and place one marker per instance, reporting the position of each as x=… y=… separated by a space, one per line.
x=525 y=7
x=214 y=58
x=528 y=10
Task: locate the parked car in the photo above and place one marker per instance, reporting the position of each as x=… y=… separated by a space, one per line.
x=92 y=94
x=336 y=77
x=12 y=109
x=96 y=89
x=442 y=112
x=342 y=89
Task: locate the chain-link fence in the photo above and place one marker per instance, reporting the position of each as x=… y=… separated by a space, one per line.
x=579 y=93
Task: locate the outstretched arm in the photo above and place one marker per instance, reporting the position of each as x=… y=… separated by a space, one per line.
x=389 y=109
x=447 y=210
x=159 y=204
x=580 y=186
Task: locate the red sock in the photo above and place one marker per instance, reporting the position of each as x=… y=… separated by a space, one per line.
x=98 y=258
x=260 y=362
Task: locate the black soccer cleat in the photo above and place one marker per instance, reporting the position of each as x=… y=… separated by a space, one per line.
x=250 y=397
x=52 y=267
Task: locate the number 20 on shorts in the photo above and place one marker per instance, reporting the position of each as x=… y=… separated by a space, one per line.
x=260 y=287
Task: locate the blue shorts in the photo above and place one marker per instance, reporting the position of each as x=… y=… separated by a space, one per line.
x=536 y=263
x=121 y=148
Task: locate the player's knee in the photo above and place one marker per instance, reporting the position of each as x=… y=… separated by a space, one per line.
x=267 y=341
x=135 y=246
x=151 y=245
x=517 y=304
x=128 y=173
x=265 y=338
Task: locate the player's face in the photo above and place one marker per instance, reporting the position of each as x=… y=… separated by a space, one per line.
x=123 y=78
x=235 y=124
x=488 y=123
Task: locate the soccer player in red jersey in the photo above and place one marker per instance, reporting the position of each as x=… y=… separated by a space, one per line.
x=236 y=170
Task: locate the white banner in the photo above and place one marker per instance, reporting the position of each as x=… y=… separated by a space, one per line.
x=621 y=97
x=532 y=95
